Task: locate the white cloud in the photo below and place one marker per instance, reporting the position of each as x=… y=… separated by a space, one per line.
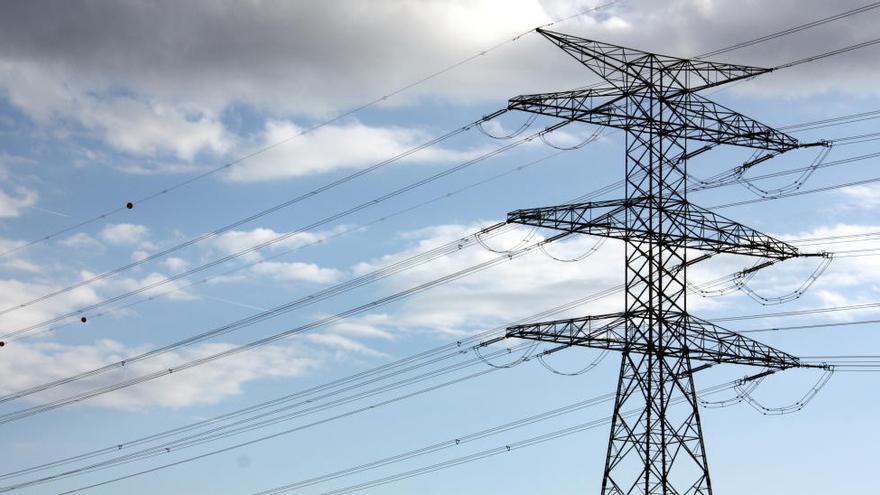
x=345 y=146
x=154 y=128
x=341 y=343
x=296 y=271
x=172 y=290
x=164 y=92
x=29 y=364
x=12 y=204
x=14 y=292
x=82 y=240
x=366 y=326
x=863 y=197
x=175 y=264
x=123 y=234
x=502 y=294
x=239 y=240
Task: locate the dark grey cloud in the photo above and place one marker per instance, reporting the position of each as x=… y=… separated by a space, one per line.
x=182 y=63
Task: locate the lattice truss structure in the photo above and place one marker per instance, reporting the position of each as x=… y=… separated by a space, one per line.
x=653 y=98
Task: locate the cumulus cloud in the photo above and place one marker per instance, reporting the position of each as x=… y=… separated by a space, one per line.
x=81 y=240
x=235 y=241
x=127 y=72
x=12 y=204
x=36 y=363
x=14 y=292
x=508 y=291
x=123 y=234
x=175 y=264
x=148 y=128
x=345 y=146
x=296 y=271
x=862 y=197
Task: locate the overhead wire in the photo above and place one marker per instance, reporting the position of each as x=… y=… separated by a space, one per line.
x=309 y=299
x=580 y=405
x=796 y=406
x=54 y=404
x=540 y=355
x=275 y=240
x=266 y=419
x=373 y=375
x=791 y=30
x=505 y=448
x=831 y=53
x=168 y=189
x=321 y=240
x=78 y=312
x=180 y=246
x=228 y=227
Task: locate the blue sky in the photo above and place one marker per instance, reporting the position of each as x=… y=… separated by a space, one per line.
x=105 y=104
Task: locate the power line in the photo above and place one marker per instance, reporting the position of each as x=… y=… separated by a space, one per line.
x=801 y=312
x=211 y=435
x=809 y=326
x=323 y=240
x=168 y=189
x=791 y=30
x=249 y=320
x=509 y=447
x=460 y=439
x=275 y=240
x=204 y=236
x=831 y=53
x=293 y=201
x=833 y=121
x=383 y=372
x=799 y=193
x=23 y=413
x=260 y=214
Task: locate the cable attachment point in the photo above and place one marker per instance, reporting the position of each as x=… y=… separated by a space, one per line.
x=525 y=125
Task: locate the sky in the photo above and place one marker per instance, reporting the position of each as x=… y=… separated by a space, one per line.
x=202 y=114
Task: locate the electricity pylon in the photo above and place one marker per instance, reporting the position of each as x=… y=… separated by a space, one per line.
x=654 y=448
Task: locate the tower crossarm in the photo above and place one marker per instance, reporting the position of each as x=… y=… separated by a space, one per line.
x=599 y=106
x=700 y=228
x=704 y=120
x=686 y=337
x=605 y=218
x=626 y=67
x=691 y=116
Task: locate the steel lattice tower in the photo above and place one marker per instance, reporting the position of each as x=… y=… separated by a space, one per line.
x=654 y=448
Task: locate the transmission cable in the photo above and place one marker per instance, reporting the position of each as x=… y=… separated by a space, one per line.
x=131 y=204
x=791 y=30
x=275 y=240
x=370 y=277
x=587 y=403
x=321 y=240
x=382 y=372
x=23 y=413
x=831 y=53
x=509 y=447
x=79 y=311
x=228 y=227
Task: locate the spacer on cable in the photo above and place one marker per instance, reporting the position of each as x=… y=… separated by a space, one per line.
x=83 y=319
x=129 y=205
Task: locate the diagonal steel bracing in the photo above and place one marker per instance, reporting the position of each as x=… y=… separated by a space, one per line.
x=653 y=99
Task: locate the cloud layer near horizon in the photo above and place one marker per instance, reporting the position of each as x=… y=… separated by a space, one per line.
x=153 y=80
